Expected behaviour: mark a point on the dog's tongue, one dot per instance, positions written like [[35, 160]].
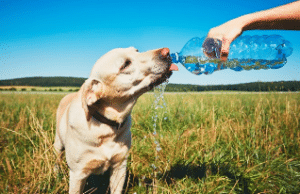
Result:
[[173, 67]]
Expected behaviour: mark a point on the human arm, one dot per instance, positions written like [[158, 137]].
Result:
[[285, 17]]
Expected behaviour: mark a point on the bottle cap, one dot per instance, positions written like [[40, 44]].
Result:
[[212, 48]]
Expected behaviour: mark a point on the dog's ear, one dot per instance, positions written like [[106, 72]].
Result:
[[92, 91]]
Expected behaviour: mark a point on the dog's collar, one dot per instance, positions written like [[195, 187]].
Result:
[[99, 117]]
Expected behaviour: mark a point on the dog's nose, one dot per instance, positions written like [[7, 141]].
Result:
[[165, 52]]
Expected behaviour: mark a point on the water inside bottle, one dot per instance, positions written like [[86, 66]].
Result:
[[202, 65]]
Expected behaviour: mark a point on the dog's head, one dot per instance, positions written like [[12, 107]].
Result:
[[120, 76]]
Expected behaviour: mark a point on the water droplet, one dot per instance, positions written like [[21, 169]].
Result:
[[153, 166], [158, 149]]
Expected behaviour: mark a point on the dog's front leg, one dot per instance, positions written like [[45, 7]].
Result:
[[77, 183], [117, 177]]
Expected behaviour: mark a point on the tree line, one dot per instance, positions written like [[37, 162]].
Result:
[[44, 81], [251, 87], [77, 82]]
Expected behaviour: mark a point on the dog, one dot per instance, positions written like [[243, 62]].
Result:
[[93, 124]]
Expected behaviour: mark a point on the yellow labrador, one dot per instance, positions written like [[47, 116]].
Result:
[[93, 124]]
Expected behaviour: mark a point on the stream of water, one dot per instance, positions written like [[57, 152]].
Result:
[[159, 103]]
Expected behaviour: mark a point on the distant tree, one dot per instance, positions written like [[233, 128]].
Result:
[[12, 89], [43, 81]]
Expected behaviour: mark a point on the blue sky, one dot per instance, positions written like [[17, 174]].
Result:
[[65, 38]]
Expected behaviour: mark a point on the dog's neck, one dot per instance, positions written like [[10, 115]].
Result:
[[112, 110], [99, 117]]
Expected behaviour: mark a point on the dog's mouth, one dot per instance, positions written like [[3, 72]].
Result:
[[167, 66], [163, 70], [159, 81]]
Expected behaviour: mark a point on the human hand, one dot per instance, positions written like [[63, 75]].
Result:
[[226, 33], [285, 17]]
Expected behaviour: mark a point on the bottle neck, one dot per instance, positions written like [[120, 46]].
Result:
[[175, 57]]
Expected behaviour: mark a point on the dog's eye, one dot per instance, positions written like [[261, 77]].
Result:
[[125, 65]]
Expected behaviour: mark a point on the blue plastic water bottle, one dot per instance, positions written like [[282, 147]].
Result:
[[201, 55]]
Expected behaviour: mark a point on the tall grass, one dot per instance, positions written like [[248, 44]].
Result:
[[211, 143]]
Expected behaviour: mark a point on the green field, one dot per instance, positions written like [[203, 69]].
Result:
[[211, 143]]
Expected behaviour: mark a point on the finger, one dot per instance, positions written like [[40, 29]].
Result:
[[224, 57], [225, 49]]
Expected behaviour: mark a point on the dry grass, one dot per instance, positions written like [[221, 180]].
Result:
[[225, 143]]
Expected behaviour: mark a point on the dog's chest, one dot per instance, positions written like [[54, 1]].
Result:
[[108, 154], [110, 146], [100, 145], [99, 135]]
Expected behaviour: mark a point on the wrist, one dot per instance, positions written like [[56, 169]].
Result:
[[245, 22]]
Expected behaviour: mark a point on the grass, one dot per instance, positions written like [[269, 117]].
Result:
[[224, 143]]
